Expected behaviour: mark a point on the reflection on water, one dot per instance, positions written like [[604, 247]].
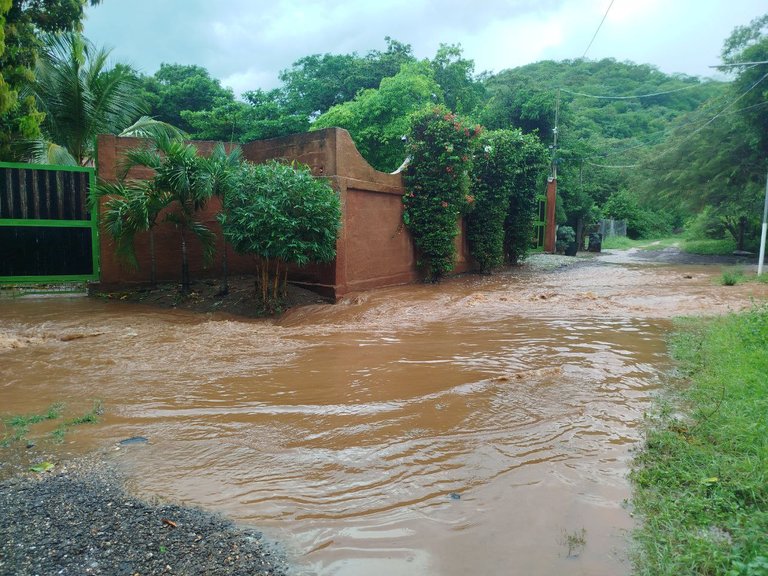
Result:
[[368, 439]]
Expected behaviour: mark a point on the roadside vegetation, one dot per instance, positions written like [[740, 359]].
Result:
[[701, 478], [18, 427], [634, 143]]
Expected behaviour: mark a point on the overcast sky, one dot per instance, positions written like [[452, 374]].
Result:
[[245, 43]]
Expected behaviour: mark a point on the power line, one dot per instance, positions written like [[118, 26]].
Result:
[[598, 29], [634, 97], [691, 135], [670, 131]]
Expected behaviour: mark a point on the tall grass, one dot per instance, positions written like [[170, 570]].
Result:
[[710, 247], [701, 479]]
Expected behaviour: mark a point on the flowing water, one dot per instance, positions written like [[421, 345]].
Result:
[[483, 426]]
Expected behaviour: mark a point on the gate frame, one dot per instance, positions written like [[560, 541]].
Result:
[[92, 223]]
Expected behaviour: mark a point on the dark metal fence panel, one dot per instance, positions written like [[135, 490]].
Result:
[[47, 231]]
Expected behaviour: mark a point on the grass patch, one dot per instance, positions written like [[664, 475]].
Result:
[[624, 243], [732, 277], [17, 427], [618, 243], [710, 247], [701, 479]]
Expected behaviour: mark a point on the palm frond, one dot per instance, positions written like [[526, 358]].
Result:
[[148, 127], [43, 151], [207, 239]]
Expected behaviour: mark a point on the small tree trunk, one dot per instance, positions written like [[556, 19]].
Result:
[[185, 284], [152, 259], [224, 271], [276, 281], [742, 232]]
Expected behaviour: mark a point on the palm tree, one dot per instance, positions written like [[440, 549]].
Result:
[[83, 97], [222, 168], [183, 184], [131, 207]]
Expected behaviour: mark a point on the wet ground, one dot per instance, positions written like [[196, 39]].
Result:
[[484, 425]]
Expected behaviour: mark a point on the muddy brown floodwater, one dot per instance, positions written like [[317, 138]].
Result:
[[470, 427]]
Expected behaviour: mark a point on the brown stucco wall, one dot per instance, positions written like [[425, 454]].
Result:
[[374, 249]]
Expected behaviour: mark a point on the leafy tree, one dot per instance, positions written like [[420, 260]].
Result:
[[316, 83], [263, 115], [530, 160], [22, 24], [455, 75], [178, 88], [595, 134], [712, 162], [437, 185], [750, 44], [708, 165], [281, 215], [81, 97], [378, 119]]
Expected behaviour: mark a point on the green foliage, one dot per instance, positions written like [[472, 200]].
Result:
[[750, 44], [595, 133], [81, 97], [732, 277], [377, 119], [454, 74], [710, 247], [314, 84], [177, 88], [565, 236], [263, 115], [437, 185], [17, 427], [700, 480], [641, 223], [505, 169], [281, 215], [22, 25]]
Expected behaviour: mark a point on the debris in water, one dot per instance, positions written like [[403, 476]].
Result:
[[134, 440]]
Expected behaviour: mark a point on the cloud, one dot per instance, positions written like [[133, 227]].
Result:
[[246, 43]]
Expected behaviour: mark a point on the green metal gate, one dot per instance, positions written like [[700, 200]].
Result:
[[48, 232]]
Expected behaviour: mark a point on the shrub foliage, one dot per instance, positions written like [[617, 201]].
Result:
[[506, 166], [281, 214], [437, 185]]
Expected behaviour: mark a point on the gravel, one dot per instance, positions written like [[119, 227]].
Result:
[[80, 520]]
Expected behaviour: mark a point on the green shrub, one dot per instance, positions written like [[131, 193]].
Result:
[[732, 277], [565, 236], [437, 185], [641, 222], [706, 225], [281, 214], [506, 164]]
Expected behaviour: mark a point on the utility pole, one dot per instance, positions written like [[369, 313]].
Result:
[[549, 229], [765, 228]]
